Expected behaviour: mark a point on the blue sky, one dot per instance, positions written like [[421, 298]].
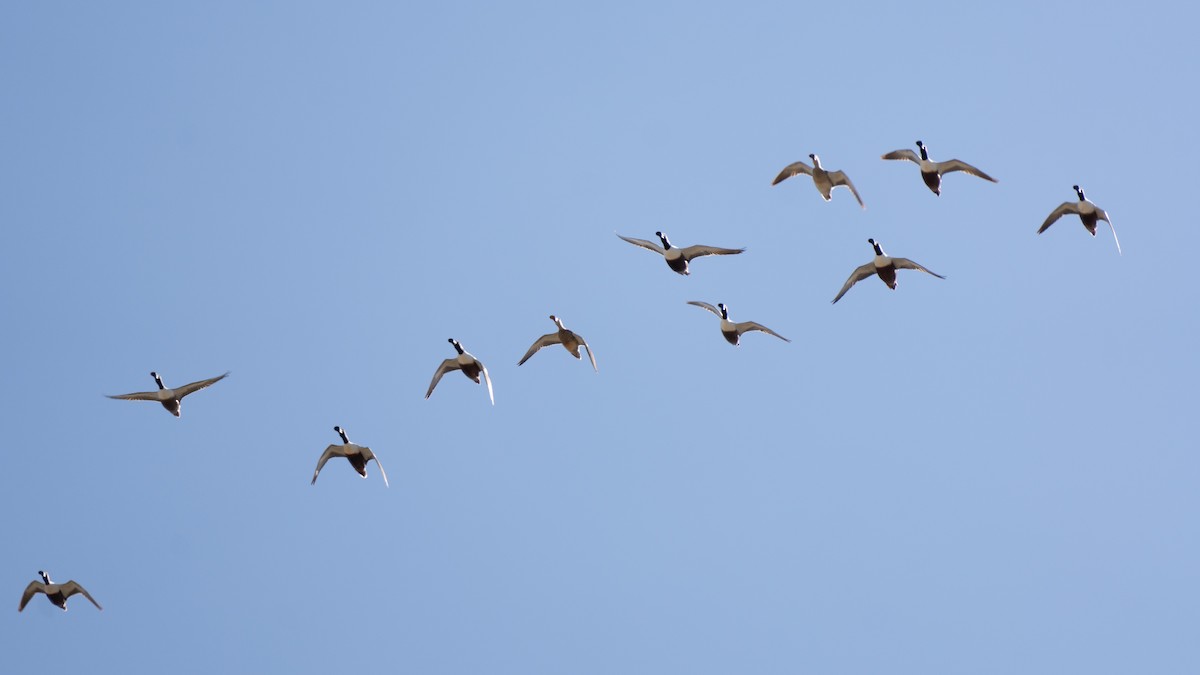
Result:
[[985, 474]]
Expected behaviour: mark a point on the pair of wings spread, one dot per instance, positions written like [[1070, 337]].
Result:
[[836, 178], [744, 326], [1073, 207], [943, 168], [556, 338], [688, 252], [864, 271], [346, 451], [179, 392], [68, 589], [453, 364]]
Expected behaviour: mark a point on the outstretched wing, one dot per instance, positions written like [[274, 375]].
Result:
[[136, 396], [840, 178], [951, 165], [649, 245], [1062, 210], [903, 154], [447, 366], [544, 341], [791, 170], [705, 305], [72, 587], [197, 386], [746, 326], [1104, 216], [906, 264], [486, 378], [331, 451], [368, 456], [697, 251], [31, 590], [860, 273], [591, 357]]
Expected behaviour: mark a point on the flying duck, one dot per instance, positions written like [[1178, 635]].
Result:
[[469, 365], [677, 258], [56, 593], [357, 455], [885, 267], [170, 398], [824, 180], [932, 172], [570, 340], [1088, 212], [733, 331]]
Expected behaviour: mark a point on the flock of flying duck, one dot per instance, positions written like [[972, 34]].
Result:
[[677, 259], [882, 265]]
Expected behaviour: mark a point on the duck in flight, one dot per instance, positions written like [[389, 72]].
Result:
[[824, 180], [570, 340], [169, 398], [885, 267], [468, 364], [733, 331], [1088, 212], [678, 258], [931, 171], [357, 455], [56, 593]]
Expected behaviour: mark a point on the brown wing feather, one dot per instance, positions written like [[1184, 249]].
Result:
[[31, 590]]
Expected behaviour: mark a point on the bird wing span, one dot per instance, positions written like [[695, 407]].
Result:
[[31, 590], [197, 386], [791, 170], [860, 273], [906, 264], [644, 244], [486, 378], [544, 341], [1104, 216], [840, 178], [72, 587], [591, 356], [705, 305], [368, 456], [447, 366], [903, 154], [1062, 210], [754, 325], [136, 396], [697, 251], [959, 165], [331, 451]]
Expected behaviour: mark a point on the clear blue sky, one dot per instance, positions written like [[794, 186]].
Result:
[[994, 473]]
